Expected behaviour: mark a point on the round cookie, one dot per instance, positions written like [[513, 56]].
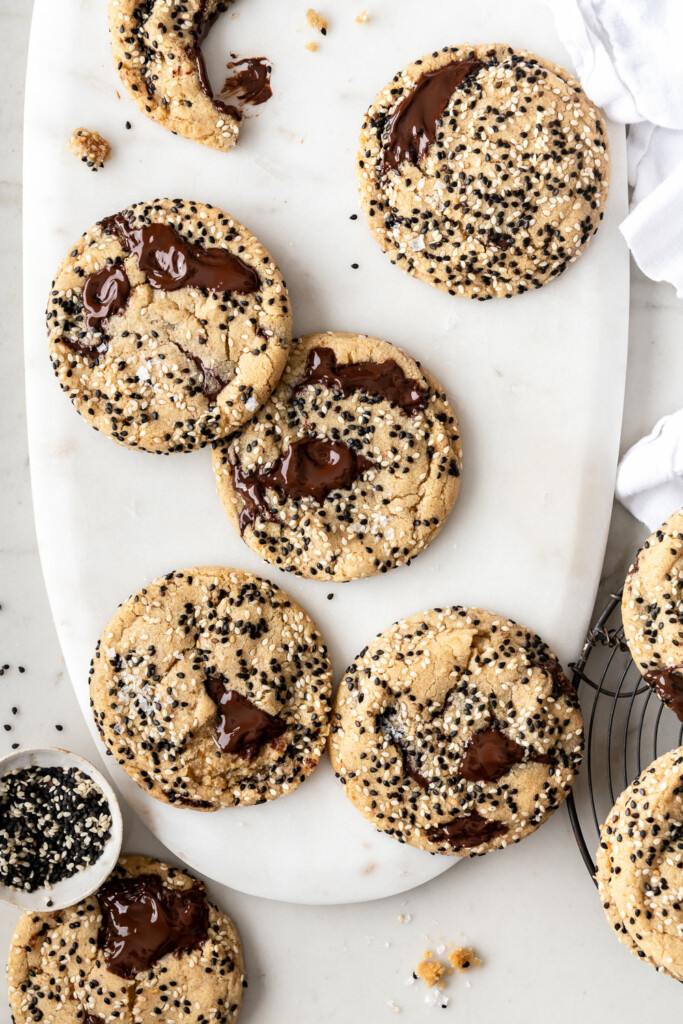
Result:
[[483, 170], [169, 324], [652, 612], [456, 731], [156, 47], [211, 688], [351, 467], [640, 865], [64, 967]]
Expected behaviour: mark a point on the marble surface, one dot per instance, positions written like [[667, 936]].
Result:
[[532, 911], [532, 498]]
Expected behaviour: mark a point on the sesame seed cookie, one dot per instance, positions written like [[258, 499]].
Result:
[[640, 865], [148, 946], [652, 612], [483, 170], [156, 45], [169, 325], [351, 467], [211, 688], [456, 731]]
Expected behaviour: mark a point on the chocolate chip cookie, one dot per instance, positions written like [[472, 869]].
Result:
[[147, 947], [652, 612], [156, 47], [211, 688], [351, 467], [169, 325], [483, 170], [640, 865], [456, 731]]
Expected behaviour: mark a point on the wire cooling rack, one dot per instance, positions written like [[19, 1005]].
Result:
[[627, 727]]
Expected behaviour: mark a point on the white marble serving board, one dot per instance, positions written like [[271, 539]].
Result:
[[537, 383]]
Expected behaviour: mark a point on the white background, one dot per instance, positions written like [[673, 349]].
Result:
[[535, 919]]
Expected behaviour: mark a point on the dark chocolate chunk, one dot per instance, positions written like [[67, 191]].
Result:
[[490, 754], [466, 831], [667, 684], [249, 81], [243, 727]]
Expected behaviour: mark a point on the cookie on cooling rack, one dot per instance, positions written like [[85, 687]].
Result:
[[148, 946], [640, 865], [456, 731], [350, 468], [211, 688], [156, 47], [169, 325], [652, 612], [483, 170]]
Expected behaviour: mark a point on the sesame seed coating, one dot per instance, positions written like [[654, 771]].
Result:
[[155, 46], [416, 703], [156, 714], [403, 490], [142, 376], [640, 865], [652, 611], [512, 187], [57, 974]]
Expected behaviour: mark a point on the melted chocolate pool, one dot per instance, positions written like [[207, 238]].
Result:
[[312, 467], [143, 920], [466, 831], [667, 684], [385, 379], [490, 754]]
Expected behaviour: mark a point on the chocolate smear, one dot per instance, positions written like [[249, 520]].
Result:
[[414, 123], [561, 685], [105, 294], [249, 81], [170, 262], [195, 53], [394, 734], [310, 468], [212, 384], [243, 727], [667, 684], [143, 920], [385, 379], [490, 754], [466, 831]]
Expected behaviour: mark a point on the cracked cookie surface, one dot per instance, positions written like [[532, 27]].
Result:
[[483, 170], [350, 468], [640, 865], [156, 45], [59, 968], [169, 325], [211, 688], [456, 731]]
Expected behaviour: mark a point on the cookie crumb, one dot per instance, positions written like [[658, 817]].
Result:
[[393, 1007], [404, 918], [362, 17], [462, 958], [317, 21], [92, 149], [312, 47], [431, 971]]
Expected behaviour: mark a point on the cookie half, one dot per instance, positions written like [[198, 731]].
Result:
[[351, 467], [640, 865], [456, 731], [169, 325], [149, 946], [483, 170], [652, 612], [156, 47], [211, 688]]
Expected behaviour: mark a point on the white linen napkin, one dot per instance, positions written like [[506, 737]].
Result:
[[627, 57]]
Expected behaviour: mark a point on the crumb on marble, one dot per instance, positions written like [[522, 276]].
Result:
[[312, 47], [431, 971], [362, 17], [316, 20], [90, 147], [462, 958]]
